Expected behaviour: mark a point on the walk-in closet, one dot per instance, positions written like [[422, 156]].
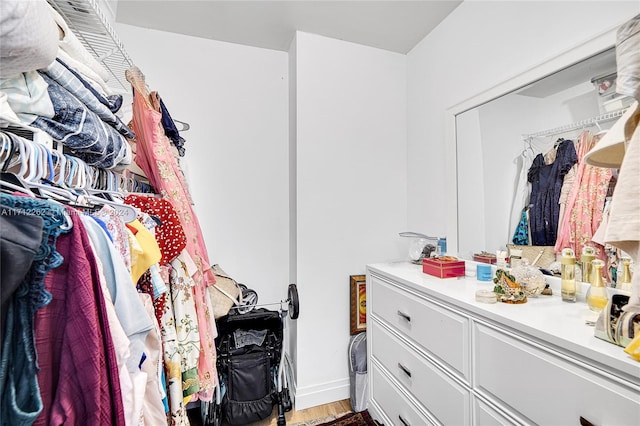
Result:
[[205, 206]]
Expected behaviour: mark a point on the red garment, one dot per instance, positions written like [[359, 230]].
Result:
[[78, 377], [169, 232], [145, 285]]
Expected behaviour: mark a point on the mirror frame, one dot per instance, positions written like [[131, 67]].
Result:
[[580, 52]]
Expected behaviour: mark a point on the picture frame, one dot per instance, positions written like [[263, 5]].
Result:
[[358, 285]]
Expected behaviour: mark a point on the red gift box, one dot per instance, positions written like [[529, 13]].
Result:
[[485, 258], [443, 267]]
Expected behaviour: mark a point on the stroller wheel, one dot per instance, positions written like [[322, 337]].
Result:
[[286, 400], [294, 304]]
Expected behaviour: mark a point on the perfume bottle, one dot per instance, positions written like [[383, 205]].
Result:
[[568, 275], [597, 297], [624, 283], [588, 256]]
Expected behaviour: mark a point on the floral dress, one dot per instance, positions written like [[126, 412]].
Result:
[[585, 204], [154, 156], [171, 241]]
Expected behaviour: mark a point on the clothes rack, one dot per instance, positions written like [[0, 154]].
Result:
[[97, 179], [88, 22], [90, 25], [576, 125]]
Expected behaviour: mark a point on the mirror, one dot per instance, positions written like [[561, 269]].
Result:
[[491, 139]]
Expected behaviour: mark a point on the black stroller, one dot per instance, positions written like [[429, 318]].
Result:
[[253, 369]]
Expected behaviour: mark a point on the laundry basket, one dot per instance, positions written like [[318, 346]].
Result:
[[358, 372]]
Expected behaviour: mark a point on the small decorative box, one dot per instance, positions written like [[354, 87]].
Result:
[[443, 267], [485, 257]]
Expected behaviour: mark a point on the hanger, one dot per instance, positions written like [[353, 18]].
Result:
[[185, 126], [558, 142], [528, 147], [83, 187], [601, 131]]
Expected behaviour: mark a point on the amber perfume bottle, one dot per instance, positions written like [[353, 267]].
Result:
[[597, 297]]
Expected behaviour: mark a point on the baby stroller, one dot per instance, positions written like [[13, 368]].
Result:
[[253, 369]]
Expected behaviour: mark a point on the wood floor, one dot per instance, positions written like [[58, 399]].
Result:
[[335, 408], [300, 417]]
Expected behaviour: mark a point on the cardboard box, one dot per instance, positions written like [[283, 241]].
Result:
[[443, 267]]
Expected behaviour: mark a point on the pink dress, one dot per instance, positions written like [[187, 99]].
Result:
[[155, 158], [583, 211]]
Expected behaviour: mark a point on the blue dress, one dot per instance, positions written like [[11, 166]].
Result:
[[546, 184]]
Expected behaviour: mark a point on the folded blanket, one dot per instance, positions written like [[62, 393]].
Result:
[[113, 102], [28, 96], [65, 78]]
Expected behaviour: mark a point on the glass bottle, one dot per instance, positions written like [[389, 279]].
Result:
[[588, 256], [515, 259], [624, 283], [568, 275], [597, 297]]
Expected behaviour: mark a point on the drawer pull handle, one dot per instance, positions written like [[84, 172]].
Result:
[[403, 421], [404, 369], [405, 316], [585, 422]]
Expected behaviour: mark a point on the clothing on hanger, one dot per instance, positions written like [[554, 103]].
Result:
[[546, 182]]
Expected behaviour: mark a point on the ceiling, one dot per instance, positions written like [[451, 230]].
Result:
[[596, 66], [391, 25]]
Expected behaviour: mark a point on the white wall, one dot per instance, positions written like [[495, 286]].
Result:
[[351, 194], [236, 100], [337, 188], [369, 152], [479, 45]]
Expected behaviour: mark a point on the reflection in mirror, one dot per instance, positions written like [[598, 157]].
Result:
[[498, 141]]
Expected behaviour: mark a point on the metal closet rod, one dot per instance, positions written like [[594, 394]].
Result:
[[578, 124]]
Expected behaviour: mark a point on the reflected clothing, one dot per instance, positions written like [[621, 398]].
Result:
[[585, 203], [20, 399], [546, 185], [79, 378], [521, 236]]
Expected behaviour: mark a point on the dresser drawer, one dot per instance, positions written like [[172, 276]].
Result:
[[398, 410], [442, 333], [546, 389], [442, 397], [486, 415]]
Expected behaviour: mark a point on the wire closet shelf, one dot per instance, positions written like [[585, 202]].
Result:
[[577, 125], [87, 21]]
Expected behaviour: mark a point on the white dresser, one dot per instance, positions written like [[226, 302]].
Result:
[[436, 356]]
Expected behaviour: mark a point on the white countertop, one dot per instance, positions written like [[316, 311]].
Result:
[[553, 323]]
